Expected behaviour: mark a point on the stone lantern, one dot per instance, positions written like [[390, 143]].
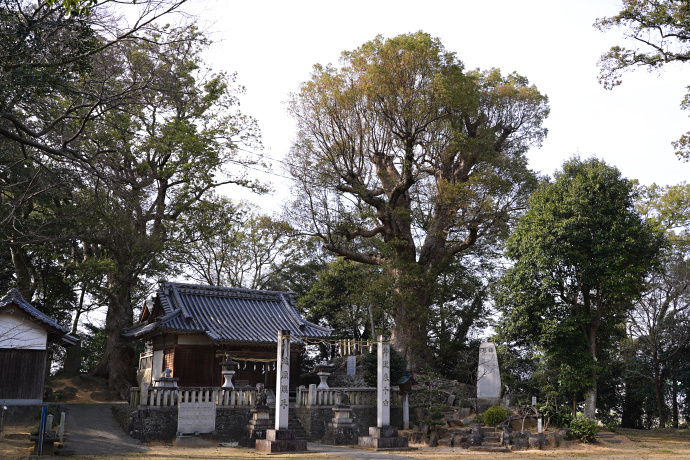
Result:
[[323, 369], [229, 367]]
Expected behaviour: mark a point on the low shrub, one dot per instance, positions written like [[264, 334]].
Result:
[[495, 415], [610, 421], [584, 429]]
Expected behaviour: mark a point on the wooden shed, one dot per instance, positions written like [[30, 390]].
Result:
[[188, 328], [25, 333]]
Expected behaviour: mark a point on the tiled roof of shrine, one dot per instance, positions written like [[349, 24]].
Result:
[[225, 315]]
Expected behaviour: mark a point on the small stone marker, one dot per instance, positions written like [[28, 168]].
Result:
[[351, 365], [196, 417], [61, 428], [488, 374], [534, 400]]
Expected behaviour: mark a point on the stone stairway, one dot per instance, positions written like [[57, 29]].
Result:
[[293, 424], [490, 441]]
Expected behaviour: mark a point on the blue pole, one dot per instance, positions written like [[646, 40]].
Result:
[[42, 429]]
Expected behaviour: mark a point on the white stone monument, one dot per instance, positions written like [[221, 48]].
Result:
[[281, 439], [383, 435], [383, 383], [488, 374], [283, 381]]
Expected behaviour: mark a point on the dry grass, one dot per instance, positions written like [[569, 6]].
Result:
[[654, 444]]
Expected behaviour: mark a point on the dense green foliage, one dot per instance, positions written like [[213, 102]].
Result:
[[369, 363], [495, 415], [584, 429], [581, 253]]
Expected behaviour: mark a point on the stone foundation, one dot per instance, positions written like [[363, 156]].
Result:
[[280, 441], [160, 424], [385, 437]]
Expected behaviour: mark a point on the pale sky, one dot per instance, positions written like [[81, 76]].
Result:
[[272, 45]]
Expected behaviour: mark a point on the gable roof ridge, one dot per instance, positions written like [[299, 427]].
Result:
[[301, 321], [15, 297]]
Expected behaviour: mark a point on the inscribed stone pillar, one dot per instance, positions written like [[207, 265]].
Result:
[[488, 373], [383, 388], [283, 380]]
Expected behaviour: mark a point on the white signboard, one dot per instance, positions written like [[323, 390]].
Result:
[[196, 418], [351, 365]]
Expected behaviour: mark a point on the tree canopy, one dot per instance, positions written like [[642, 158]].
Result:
[[581, 254], [405, 160], [660, 33]]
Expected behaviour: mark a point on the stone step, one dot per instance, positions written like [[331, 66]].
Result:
[[488, 449], [605, 434], [491, 443]]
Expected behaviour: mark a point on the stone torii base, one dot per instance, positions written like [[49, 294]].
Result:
[[280, 441], [384, 437]]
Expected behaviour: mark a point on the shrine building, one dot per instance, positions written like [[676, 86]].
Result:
[[190, 328]]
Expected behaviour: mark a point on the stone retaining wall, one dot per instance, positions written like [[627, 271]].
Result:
[[315, 420], [160, 424]]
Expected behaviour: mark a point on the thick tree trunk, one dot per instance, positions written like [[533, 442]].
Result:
[[410, 332], [590, 410], [117, 362]]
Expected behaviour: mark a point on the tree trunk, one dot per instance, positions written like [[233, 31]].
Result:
[[659, 394], [410, 332], [21, 271], [117, 362], [575, 405], [590, 410], [674, 392]]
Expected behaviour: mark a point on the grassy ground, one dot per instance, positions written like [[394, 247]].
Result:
[[652, 444]]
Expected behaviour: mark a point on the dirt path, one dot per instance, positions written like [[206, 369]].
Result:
[[92, 430]]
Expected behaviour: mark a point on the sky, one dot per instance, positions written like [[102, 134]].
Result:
[[272, 45]]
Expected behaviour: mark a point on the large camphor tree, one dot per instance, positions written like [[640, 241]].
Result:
[[404, 160], [581, 255]]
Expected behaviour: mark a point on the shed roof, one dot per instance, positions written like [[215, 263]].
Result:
[[225, 315], [57, 333]]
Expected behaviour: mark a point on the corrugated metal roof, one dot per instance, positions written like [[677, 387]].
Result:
[[227, 314], [13, 296]]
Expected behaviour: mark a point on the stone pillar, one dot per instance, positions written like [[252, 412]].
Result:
[[281, 439], [406, 411], [383, 383], [383, 436], [283, 380]]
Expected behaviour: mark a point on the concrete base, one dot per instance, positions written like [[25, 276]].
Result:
[[280, 441], [385, 437], [340, 435], [257, 428], [193, 441]]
